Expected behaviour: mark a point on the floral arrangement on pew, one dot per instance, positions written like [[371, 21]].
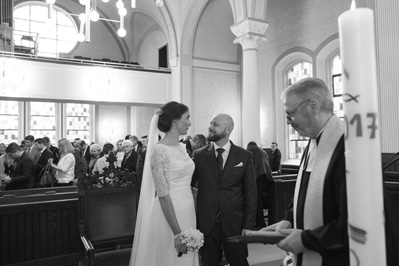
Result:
[[192, 239]]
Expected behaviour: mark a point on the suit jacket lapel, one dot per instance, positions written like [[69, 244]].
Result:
[[231, 160]]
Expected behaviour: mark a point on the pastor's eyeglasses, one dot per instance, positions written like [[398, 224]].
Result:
[[292, 114]]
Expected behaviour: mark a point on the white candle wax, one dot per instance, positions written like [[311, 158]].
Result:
[[362, 138]]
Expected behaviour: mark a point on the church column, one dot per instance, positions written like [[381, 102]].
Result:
[[249, 34]]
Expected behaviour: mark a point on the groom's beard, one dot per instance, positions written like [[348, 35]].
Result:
[[215, 137]]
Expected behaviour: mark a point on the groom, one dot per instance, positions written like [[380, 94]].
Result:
[[226, 201]]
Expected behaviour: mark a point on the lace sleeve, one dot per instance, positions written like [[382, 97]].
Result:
[[159, 169]]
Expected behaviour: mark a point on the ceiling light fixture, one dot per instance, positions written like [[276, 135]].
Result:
[[91, 14], [159, 3]]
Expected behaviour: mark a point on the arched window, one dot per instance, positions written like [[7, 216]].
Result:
[[297, 143], [336, 75], [46, 35]]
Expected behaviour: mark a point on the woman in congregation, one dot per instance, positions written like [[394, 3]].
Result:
[[65, 169], [102, 163], [95, 154], [119, 153], [167, 172]]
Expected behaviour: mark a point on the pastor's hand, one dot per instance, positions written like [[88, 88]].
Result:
[[283, 224]]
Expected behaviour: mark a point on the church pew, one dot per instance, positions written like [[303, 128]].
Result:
[[280, 197], [39, 227], [391, 201], [108, 209]]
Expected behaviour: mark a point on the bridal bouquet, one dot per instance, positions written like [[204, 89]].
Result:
[[192, 239]]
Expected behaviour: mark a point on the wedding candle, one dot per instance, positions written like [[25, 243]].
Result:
[[366, 227]]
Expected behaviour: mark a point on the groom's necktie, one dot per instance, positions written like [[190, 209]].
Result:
[[219, 159]]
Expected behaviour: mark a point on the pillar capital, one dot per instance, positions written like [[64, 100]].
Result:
[[249, 33], [249, 41]]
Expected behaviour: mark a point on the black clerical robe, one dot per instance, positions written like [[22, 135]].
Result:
[[320, 208]]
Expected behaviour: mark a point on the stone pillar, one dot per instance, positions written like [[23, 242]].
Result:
[[249, 34]]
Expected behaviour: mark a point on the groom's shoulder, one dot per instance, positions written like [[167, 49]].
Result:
[[240, 150], [204, 149]]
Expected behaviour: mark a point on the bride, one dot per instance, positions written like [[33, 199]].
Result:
[[166, 206]]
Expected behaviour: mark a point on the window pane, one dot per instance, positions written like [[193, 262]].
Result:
[[47, 45], [38, 12], [35, 20], [78, 121], [65, 47], [65, 33], [22, 13], [62, 19], [42, 119], [337, 65], [36, 28], [336, 70], [299, 71], [297, 143], [9, 121]]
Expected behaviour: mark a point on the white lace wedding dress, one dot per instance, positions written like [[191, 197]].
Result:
[[172, 170]]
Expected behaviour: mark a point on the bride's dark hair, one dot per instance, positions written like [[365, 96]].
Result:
[[169, 112]]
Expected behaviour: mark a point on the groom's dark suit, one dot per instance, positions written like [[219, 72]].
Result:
[[228, 199]]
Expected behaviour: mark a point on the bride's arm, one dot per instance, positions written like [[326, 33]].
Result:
[[160, 168], [169, 212]]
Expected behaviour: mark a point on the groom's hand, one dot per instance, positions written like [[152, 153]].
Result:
[[245, 232]]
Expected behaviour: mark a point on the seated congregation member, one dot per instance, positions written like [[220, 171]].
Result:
[[275, 158], [24, 173], [119, 153], [52, 148], [102, 162], [45, 155], [22, 145], [30, 148], [129, 161], [6, 164], [263, 175], [3, 158], [3, 147], [84, 149], [134, 139], [198, 141], [80, 165], [139, 148], [95, 151], [65, 169], [317, 227]]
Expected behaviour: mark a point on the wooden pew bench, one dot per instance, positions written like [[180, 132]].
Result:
[[391, 203], [39, 226], [108, 209], [280, 197]]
